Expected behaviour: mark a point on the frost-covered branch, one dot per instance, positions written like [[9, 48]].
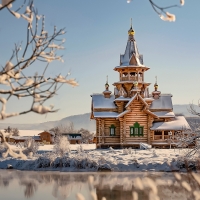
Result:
[[192, 109], [188, 139], [162, 11], [40, 48]]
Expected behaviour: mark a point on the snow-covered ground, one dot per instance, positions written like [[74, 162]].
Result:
[[92, 159]]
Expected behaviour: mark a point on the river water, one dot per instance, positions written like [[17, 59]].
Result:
[[21, 185]]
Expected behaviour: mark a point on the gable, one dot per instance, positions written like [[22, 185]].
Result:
[[133, 60]]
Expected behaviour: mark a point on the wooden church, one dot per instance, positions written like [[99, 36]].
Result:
[[132, 115]]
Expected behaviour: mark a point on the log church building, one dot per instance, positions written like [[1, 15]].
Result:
[[132, 114]]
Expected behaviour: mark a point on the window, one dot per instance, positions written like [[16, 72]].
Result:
[[136, 130], [112, 130]]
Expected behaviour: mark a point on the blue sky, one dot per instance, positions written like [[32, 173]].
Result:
[[97, 34]]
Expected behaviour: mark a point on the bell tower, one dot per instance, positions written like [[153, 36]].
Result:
[[131, 70]]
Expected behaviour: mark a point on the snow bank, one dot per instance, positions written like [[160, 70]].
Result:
[[91, 159]]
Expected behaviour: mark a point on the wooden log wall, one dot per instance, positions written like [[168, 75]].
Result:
[[120, 106], [136, 115], [149, 125], [107, 123]]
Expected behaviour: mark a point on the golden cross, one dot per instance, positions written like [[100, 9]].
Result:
[[156, 78]]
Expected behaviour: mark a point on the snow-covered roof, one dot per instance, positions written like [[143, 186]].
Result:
[[163, 103], [50, 132], [99, 101], [148, 99], [123, 113], [178, 123], [131, 50], [121, 98], [106, 114], [164, 114], [74, 138], [25, 137]]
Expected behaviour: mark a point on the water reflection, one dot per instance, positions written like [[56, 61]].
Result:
[[112, 186]]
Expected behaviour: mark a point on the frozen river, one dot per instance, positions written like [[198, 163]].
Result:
[[20, 185]]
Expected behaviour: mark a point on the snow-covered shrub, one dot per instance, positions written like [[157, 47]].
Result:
[[31, 147], [111, 150], [130, 150], [154, 153], [46, 160], [66, 161], [83, 161], [43, 162], [2, 149], [86, 136], [61, 145], [101, 160], [127, 151], [80, 149]]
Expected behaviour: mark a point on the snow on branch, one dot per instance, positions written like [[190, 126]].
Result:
[[161, 11], [41, 47], [163, 14]]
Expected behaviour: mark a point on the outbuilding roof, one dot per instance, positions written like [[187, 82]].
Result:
[[24, 137], [178, 123]]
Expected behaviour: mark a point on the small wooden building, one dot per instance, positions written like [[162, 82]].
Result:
[[47, 137], [74, 138], [44, 137], [17, 139], [132, 115]]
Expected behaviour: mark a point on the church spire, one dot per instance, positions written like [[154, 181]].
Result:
[[131, 32], [131, 55]]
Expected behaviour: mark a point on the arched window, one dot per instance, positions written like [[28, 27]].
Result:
[[133, 74], [136, 130], [125, 74]]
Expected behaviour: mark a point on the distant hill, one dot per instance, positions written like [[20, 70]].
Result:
[[183, 109], [79, 121], [83, 120]]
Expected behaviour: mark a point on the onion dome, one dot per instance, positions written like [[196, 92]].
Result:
[[131, 31], [156, 93], [107, 86], [107, 92]]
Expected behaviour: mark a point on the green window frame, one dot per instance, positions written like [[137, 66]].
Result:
[[136, 130], [112, 130]]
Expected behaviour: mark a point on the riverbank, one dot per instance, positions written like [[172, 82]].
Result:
[[91, 160]]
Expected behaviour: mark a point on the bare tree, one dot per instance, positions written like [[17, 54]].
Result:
[[8, 130], [61, 145], [67, 128], [40, 47], [86, 135], [31, 146], [192, 109], [15, 132]]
